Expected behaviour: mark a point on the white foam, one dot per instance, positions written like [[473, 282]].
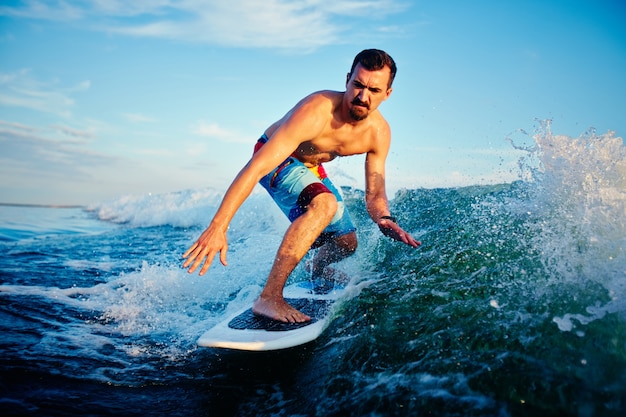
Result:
[[183, 209], [581, 203]]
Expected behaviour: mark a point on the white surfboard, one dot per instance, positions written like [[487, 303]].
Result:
[[244, 330]]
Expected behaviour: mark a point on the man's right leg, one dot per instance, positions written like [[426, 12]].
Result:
[[297, 241]]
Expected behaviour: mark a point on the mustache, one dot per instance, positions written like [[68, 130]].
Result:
[[358, 102]]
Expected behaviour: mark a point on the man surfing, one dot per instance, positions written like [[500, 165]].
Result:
[[288, 162]]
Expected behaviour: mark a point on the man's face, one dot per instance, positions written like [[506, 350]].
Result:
[[365, 90]]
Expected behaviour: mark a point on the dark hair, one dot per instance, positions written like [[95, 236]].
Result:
[[374, 60]]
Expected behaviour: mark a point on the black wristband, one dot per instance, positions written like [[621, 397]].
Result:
[[393, 219]]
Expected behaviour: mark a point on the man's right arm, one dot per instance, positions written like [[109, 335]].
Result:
[[213, 240], [296, 127]]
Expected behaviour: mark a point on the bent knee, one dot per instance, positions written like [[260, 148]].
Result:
[[324, 204], [348, 243]]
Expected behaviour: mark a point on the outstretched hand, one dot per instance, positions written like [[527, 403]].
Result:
[[391, 229], [204, 250]]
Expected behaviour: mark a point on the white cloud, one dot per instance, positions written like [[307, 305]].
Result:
[[79, 135], [20, 89], [241, 23], [81, 86], [361, 7], [18, 127], [215, 131], [50, 10], [36, 151], [285, 24], [139, 118]]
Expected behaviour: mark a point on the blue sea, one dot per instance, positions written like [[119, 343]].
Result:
[[515, 305]]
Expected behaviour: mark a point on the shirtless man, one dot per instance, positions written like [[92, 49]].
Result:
[[287, 162]]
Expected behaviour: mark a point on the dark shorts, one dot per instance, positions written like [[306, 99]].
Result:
[[292, 185]]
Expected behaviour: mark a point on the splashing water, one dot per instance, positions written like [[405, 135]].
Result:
[[580, 210], [514, 305]]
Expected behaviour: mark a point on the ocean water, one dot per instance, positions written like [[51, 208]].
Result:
[[514, 305]]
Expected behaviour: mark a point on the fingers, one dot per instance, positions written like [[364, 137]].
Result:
[[197, 261], [223, 253], [190, 254], [412, 242], [196, 255], [395, 232], [409, 240], [207, 263], [189, 251]]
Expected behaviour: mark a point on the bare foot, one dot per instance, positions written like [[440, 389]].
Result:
[[278, 309]]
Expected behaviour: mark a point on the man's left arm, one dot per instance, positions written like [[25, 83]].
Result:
[[376, 199]]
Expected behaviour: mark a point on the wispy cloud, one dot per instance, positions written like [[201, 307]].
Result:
[[36, 9], [284, 24], [58, 151], [139, 118], [80, 135], [215, 131], [20, 89]]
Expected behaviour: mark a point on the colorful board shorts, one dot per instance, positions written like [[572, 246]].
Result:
[[292, 185]]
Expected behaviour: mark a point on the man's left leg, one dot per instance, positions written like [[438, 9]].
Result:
[[333, 251], [324, 277]]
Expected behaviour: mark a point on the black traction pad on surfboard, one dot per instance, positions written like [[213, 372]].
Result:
[[312, 308]]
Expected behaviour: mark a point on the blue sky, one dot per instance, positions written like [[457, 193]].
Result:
[[100, 99]]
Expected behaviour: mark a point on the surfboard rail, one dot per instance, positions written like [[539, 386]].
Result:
[[265, 334]]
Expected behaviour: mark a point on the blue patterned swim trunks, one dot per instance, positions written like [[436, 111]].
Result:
[[292, 185]]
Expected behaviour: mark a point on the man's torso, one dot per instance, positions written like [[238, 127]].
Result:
[[337, 138]]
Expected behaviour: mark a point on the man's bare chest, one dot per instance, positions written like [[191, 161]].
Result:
[[326, 149]]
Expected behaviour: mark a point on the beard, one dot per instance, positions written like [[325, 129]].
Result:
[[359, 111]]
